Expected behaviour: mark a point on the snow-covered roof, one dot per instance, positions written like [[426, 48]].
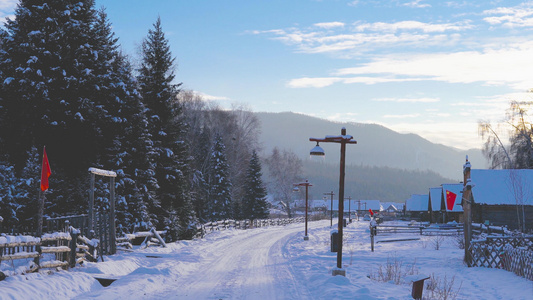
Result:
[[435, 196], [452, 195], [417, 203], [496, 187], [392, 206]]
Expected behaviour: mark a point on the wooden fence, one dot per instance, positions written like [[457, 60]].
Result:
[[514, 254], [244, 224], [421, 229]]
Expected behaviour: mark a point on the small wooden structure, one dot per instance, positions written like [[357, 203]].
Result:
[[107, 234]]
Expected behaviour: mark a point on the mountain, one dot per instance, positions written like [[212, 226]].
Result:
[[377, 146]]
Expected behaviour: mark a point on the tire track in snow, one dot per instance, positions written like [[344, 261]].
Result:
[[254, 267]]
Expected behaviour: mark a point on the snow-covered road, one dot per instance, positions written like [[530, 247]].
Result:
[[249, 265]]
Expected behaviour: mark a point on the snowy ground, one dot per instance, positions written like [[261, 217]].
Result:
[[272, 263]]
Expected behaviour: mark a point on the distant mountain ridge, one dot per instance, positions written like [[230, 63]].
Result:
[[376, 145]]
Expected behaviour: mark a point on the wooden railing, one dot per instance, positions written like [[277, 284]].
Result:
[[513, 254]]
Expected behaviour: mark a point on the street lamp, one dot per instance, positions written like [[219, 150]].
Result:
[[307, 185], [342, 139], [331, 208]]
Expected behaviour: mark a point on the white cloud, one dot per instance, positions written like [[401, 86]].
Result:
[[453, 133], [211, 97], [518, 16], [410, 100], [8, 5], [343, 117], [414, 26], [327, 81], [334, 37], [405, 116], [416, 4], [509, 65], [329, 25], [7, 9]]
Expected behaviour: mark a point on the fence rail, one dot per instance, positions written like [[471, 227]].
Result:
[[514, 254]]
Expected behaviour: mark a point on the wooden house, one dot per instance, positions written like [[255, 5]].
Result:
[[435, 209], [417, 207], [503, 197]]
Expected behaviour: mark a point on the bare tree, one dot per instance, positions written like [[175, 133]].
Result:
[[284, 169], [519, 154]]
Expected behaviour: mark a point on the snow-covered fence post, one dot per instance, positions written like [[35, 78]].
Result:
[[73, 246]]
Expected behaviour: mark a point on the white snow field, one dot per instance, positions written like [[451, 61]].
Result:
[[273, 263]]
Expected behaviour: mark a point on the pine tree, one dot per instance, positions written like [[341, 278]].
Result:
[[49, 92], [8, 187], [126, 140], [28, 189], [255, 205], [200, 187], [167, 130], [219, 201]]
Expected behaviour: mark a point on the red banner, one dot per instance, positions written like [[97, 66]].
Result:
[[450, 200], [46, 172]]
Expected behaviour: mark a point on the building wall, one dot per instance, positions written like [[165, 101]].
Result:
[[502, 215]]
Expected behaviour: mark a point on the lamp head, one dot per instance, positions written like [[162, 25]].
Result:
[[317, 151]]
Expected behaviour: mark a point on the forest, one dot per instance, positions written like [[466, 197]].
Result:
[[66, 85]]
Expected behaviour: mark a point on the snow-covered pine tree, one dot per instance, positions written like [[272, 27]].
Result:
[[126, 140], [48, 90], [163, 112], [8, 195], [200, 186], [28, 189], [219, 201], [255, 205]]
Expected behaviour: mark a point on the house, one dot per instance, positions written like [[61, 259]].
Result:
[[417, 207], [392, 209], [436, 214], [503, 197]]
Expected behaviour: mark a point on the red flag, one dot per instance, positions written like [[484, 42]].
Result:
[[46, 172], [450, 200], [371, 212]]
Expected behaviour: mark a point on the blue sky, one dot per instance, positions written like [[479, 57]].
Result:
[[434, 68]]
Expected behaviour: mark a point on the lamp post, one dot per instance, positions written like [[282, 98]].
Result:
[[307, 185], [331, 208], [342, 139]]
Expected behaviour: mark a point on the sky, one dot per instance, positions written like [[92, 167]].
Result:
[[434, 68]]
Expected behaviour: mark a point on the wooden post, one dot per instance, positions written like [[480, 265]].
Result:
[[112, 229], [91, 205], [467, 211], [73, 247], [341, 198], [40, 214], [306, 205]]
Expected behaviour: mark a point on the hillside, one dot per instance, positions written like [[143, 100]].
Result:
[[377, 146]]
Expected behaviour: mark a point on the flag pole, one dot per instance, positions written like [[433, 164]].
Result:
[[40, 214]]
